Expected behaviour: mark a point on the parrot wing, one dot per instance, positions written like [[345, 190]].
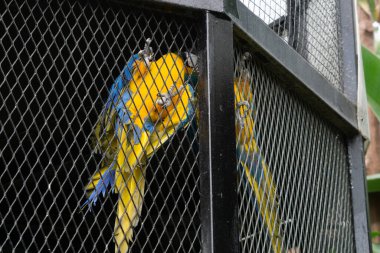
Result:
[[104, 128], [105, 139], [136, 67]]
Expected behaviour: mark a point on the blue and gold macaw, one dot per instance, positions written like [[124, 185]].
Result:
[[252, 166], [147, 108]]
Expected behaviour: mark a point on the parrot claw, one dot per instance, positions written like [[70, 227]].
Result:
[[240, 117], [165, 99], [246, 56], [147, 53]]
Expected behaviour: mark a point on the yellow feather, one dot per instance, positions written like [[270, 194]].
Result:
[[166, 128], [129, 206], [178, 114], [166, 72], [129, 183]]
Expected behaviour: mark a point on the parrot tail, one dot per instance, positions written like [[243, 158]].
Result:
[[264, 192], [98, 184], [131, 196]]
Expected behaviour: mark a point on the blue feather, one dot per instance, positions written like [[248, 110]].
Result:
[[253, 162], [106, 180], [124, 115], [148, 125], [256, 170], [121, 81]]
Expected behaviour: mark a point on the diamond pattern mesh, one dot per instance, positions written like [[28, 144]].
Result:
[[293, 186], [59, 61], [310, 27]]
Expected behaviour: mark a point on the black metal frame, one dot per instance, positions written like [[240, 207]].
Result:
[[359, 194], [217, 139], [355, 142], [217, 117], [350, 77]]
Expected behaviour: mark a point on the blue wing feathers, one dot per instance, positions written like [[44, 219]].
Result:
[[253, 161], [106, 180], [121, 81]]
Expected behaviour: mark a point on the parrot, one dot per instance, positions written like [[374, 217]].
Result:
[[149, 103], [252, 166]]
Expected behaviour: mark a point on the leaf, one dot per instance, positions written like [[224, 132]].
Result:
[[372, 79], [375, 234], [373, 183], [372, 7], [365, 6]]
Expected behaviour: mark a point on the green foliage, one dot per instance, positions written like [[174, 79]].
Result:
[[373, 183], [372, 8], [372, 79], [375, 234], [369, 7]]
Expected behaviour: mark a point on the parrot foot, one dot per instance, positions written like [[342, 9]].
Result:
[[147, 53], [165, 99], [246, 107]]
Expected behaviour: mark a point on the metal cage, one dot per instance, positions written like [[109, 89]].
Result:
[[249, 143]]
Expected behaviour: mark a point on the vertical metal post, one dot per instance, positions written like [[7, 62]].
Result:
[[355, 144], [349, 54], [359, 195], [217, 138]]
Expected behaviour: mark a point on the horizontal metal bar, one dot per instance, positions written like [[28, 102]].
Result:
[[221, 6], [294, 72], [212, 5]]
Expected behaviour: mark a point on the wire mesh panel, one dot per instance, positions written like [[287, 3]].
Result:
[[293, 185], [99, 97], [310, 27]]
